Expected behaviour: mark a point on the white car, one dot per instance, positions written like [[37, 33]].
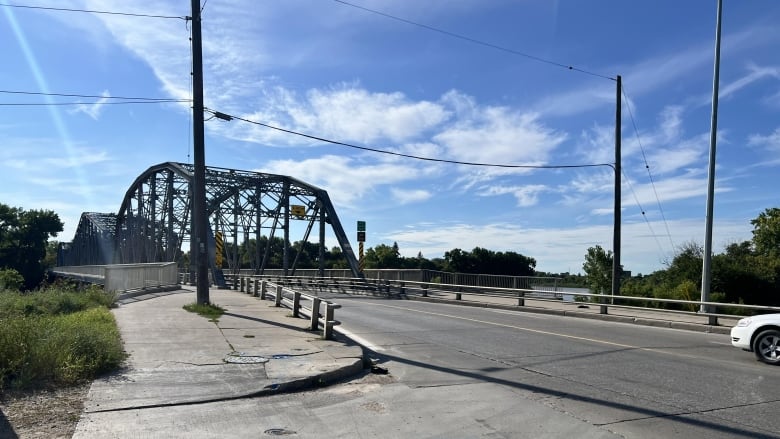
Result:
[[760, 335]]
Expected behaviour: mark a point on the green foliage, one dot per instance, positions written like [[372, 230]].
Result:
[[210, 311], [766, 232], [55, 337], [23, 241], [485, 261], [598, 269], [383, 256], [55, 300], [10, 279]]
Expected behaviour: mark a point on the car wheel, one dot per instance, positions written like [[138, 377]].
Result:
[[767, 346]]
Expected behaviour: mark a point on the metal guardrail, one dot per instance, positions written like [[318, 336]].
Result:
[[389, 287], [295, 300]]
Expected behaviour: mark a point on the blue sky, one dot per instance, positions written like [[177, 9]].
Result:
[[332, 70]]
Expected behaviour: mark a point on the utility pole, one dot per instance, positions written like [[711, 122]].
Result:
[[706, 270], [199, 214], [616, 270]]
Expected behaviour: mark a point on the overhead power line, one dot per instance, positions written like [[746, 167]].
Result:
[[56, 104], [128, 14], [74, 95], [225, 116], [476, 41], [647, 167]]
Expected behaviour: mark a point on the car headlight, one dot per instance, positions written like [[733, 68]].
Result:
[[744, 322]]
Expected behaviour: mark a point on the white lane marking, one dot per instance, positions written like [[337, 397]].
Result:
[[517, 313], [358, 339], [539, 331]]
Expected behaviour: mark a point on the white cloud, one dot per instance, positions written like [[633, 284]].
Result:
[[563, 249], [345, 180], [406, 196], [356, 114], [499, 135], [525, 195], [93, 110], [770, 142]]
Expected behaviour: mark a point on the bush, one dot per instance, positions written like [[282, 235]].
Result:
[[57, 337], [10, 279]]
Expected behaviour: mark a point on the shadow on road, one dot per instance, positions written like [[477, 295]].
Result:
[[683, 417]]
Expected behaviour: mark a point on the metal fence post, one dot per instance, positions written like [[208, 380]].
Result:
[[296, 302], [315, 313], [278, 298], [520, 298], [425, 290], [263, 288]]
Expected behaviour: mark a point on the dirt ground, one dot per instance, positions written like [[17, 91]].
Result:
[[41, 413]]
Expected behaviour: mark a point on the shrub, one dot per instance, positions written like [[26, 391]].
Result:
[[57, 337], [10, 279]]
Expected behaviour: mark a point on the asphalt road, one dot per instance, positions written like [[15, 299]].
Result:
[[627, 380]]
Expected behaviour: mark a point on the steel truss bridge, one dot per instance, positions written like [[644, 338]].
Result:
[[154, 222]]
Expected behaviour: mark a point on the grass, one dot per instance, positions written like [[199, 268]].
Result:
[[57, 336], [209, 310]]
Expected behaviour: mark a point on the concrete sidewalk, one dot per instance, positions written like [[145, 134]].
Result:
[[177, 357]]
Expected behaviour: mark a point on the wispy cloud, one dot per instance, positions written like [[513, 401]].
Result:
[[769, 142], [408, 196], [93, 110]]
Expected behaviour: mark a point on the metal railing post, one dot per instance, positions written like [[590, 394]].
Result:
[[263, 289], [315, 313], [520, 298], [296, 303], [425, 290], [278, 298]]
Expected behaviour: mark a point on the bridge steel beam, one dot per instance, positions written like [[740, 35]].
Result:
[[155, 219]]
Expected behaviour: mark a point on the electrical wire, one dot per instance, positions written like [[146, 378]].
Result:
[[476, 41], [647, 166], [224, 116], [73, 95], [636, 199], [57, 104], [128, 14]]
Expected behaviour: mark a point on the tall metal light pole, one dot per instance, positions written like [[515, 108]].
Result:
[[706, 270], [199, 214]]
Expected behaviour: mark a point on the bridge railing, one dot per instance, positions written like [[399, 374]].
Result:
[[123, 277], [473, 294], [320, 312]]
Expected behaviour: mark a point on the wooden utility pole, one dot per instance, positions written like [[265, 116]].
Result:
[[616, 270], [199, 215]]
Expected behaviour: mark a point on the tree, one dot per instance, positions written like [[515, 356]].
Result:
[[23, 241], [598, 269], [383, 256], [766, 232]]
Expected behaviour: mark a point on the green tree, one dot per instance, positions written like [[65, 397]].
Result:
[[23, 241], [766, 232], [383, 256], [598, 269]]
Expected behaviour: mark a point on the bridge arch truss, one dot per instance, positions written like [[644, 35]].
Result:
[[154, 222]]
